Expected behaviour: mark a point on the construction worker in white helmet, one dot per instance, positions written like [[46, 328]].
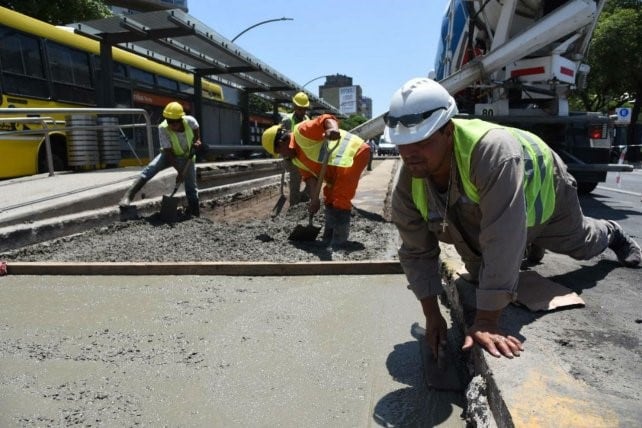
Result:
[[301, 103], [489, 190], [179, 137]]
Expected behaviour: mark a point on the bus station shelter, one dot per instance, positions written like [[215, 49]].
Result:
[[177, 39]]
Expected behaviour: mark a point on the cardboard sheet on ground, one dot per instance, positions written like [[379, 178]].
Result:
[[538, 293], [541, 294]]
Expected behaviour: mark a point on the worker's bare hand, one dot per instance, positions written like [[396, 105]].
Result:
[[314, 205], [486, 333]]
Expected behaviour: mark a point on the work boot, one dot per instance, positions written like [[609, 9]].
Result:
[[131, 192], [330, 220], [194, 209], [341, 230], [625, 248]]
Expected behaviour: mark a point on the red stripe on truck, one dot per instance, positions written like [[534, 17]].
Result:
[[526, 71]]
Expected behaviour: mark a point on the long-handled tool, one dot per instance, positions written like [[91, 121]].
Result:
[[169, 204], [310, 232], [279, 204]]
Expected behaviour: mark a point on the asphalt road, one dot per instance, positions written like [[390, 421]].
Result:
[[581, 367]]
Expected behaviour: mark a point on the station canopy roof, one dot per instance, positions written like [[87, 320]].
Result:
[[177, 39]]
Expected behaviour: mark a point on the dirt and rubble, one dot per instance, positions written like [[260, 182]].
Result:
[[238, 228]]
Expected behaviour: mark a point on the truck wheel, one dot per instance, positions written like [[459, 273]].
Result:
[[585, 187]]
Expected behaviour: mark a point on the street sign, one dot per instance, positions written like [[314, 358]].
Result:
[[623, 115]]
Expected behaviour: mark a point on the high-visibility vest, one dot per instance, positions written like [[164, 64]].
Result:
[[173, 138], [342, 155], [290, 121], [539, 189]]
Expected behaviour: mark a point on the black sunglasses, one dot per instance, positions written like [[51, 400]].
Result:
[[409, 120]]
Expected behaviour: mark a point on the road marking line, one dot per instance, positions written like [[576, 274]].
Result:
[[626, 192]]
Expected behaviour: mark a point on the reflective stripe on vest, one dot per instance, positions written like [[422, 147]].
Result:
[[539, 189], [173, 138], [342, 156]]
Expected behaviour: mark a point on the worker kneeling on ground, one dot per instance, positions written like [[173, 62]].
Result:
[[348, 158], [179, 139], [489, 190]]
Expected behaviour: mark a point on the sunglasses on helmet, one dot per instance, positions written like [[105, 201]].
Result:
[[409, 120]]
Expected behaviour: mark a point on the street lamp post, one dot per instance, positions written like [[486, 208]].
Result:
[[260, 23], [316, 78]]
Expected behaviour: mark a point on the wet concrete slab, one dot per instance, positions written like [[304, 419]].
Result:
[[214, 351]]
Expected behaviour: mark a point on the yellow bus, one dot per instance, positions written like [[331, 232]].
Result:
[[44, 66]]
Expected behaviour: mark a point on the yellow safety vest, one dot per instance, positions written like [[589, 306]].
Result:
[[342, 155], [173, 138], [539, 189]]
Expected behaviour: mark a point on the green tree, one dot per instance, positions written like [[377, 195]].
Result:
[[352, 121], [59, 12], [615, 57]]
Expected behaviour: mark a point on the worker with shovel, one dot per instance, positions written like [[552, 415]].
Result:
[[323, 152], [178, 135], [301, 104]]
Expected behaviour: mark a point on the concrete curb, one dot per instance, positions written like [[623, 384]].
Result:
[[461, 300]]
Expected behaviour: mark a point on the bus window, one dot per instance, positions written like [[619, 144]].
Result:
[[186, 89], [22, 66], [141, 76], [120, 70], [165, 83], [70, 74]]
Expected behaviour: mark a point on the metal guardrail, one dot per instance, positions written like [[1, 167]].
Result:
[[32, 115]]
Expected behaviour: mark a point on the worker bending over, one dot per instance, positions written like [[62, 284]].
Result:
[[348, 158], [179, 136], [489, 190]]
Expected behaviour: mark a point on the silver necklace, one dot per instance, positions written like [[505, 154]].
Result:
[[444, 221]]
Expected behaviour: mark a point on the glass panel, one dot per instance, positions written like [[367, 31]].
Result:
[[69, 65]]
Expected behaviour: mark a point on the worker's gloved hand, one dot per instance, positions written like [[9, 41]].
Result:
[[436, 335], [485, 331], [436, 328], [332, 134]]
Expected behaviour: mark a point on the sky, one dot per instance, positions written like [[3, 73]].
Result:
[[379, 43]]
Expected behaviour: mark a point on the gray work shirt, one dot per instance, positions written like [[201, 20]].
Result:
[[490, 236], [163, 137]]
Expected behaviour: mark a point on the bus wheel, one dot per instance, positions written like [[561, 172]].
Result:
[[58, 163]]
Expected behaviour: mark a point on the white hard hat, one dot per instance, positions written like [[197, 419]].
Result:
[[418, 109]]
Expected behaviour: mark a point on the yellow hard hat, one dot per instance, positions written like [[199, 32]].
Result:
[[301, 100], [173, 110], [268, 138]]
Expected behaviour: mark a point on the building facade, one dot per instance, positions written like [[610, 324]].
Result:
[[340, 91]]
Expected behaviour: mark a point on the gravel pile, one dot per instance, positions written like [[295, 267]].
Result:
[[149, 239]]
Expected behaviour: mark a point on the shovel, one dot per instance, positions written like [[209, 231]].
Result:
[[279, 204], [169, 204], [310, 231]]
